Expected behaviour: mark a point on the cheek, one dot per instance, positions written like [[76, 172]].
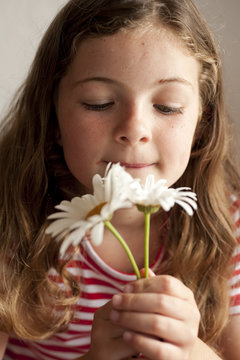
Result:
[[78, 136], [83, 145], [73, 141], [177, 146], [76, 155]]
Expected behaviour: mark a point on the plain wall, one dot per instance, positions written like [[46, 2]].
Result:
[[223, 16], [22, 23]]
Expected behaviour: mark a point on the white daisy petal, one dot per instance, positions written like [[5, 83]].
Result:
[[68, 206], [116, 190], [67, 242], [165, 204], [97, 233], [78, 224], [185, 206], [58, 226], [76, 236], [65, 245], [81, 214], [190, 202], [62, 235], [149, 183], [153, 194]]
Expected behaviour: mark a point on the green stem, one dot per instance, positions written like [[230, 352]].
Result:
[[147, 215], [125, 246]]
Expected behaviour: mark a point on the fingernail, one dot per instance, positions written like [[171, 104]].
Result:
[[116, 300], [151, 273], [127, 335], [128, 288], [114, 315]]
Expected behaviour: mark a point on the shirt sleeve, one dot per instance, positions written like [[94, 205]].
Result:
[[234, 282]]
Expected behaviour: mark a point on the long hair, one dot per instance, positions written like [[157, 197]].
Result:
[[34, 176]]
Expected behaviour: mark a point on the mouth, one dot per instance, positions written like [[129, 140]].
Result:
[[133, 165]]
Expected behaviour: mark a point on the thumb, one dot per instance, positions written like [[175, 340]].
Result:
[[150, 273]]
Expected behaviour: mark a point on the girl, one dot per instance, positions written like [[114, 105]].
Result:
[[136, 82]]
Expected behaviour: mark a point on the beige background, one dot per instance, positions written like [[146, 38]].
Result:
[[22, 23], [224, 19]]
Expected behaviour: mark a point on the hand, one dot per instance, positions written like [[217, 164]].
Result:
[[161, 317], [107, 341]]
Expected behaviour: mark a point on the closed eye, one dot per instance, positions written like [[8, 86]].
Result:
[[98, 107], [168, 110]]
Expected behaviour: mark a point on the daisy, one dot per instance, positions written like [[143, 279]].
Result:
[[89, 212], [153, 195]]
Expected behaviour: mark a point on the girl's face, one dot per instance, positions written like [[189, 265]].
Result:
[[132, 98]]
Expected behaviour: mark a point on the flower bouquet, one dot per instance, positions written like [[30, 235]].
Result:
[[90, 213]]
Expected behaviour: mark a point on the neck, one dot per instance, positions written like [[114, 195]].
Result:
[[128, 221], [130, 224]]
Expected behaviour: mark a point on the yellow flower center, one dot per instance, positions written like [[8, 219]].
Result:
[[96, 210]]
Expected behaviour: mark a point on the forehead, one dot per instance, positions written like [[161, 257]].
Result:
[[150, 51]]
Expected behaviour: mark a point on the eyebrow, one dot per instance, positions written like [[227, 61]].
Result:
[[176, 80], [96, 78], [112, 81]]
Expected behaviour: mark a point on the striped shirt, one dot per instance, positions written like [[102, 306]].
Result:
[[98, 282], [235, 280]]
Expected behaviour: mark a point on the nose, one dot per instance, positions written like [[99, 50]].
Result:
[[133, 128]]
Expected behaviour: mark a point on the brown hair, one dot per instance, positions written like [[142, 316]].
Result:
[[34, 175]]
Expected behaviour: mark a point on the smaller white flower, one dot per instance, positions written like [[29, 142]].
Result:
[[88, 213], [183, 197], [156, 194]]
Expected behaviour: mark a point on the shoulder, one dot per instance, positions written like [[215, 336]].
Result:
[[234, 282], [235, 212], [235, 209], [230, 339]]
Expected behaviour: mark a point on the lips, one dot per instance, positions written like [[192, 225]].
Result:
[[135, 165], [132, 165]]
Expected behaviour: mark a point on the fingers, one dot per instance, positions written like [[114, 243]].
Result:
[[107, 337], [152, 348], [150, 273], [103, 311], [151, 303], [160, 315], [101, 321], [116, 349], [171, 330], [165, 284], [163, 295]]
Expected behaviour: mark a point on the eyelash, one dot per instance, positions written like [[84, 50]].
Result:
[[163, 109], [98, 107], [168, 110]]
